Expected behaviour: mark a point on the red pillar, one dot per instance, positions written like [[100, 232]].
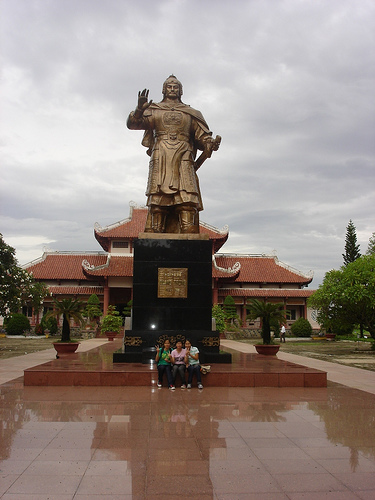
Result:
[[215, 294], [106, 297], [244, 312], [285, 311]]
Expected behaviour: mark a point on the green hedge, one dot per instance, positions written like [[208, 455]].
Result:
[[17, 324], [301, 328]]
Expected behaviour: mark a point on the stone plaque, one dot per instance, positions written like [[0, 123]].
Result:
[[172, 282]]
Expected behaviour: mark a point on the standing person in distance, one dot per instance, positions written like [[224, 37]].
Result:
[[282, 334], [164, 360], [192, 363]]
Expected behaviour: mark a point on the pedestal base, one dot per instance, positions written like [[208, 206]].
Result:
[[172, 297]]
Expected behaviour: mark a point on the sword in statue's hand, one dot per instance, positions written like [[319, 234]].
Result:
[[212, 145]]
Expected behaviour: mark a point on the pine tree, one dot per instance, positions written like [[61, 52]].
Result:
[[371, 245], [351, 248]]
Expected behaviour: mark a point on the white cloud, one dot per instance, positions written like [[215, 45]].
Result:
[[288, 85]]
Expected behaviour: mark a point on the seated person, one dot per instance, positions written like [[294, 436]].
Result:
[[192, 362], [164, 359], [178, 363]]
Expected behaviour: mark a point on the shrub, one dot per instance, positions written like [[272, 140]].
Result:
[[340, 328], [301, 328], [219, 315], [49, 324], [39, 330], [128, 309], [93, 310], [230, 309], [17, 324], [112, 321]]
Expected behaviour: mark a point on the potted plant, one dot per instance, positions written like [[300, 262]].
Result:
[[270, 314], [111, 323], [92, 311], [70, 309]]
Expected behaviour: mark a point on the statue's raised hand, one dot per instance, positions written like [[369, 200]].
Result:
[[143, 103]]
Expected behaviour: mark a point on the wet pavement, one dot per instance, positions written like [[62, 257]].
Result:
[[220, 443]]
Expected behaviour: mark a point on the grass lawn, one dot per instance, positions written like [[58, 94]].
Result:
[[346, 352], [11, 347]]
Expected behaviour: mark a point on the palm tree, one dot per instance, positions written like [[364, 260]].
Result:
[[70, 309], [270, 315]]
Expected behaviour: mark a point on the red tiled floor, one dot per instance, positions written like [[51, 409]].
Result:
[[222, 443], [95, 368]]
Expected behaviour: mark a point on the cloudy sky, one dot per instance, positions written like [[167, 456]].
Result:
[[288, 84]]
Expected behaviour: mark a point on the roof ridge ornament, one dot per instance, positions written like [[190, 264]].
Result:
[[224, 230], [230, 270], [308, 275], [90, 267]]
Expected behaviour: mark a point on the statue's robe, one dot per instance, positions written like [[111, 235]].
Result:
[[173, 134]]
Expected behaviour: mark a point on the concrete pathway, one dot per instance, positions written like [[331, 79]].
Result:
[[345, 375]]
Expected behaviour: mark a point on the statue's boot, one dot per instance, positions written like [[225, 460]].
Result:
[[188, 218], [158, 217]]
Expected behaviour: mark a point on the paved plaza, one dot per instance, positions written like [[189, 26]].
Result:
[[61, 443]]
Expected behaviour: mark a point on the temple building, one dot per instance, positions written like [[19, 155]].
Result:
[[109, 273]]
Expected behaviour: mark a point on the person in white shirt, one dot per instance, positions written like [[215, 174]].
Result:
[[192, 363], [282, 334]]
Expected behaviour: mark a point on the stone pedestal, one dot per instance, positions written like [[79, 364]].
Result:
[[172, 296]]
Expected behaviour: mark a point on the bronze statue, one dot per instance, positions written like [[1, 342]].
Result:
[[173, 133]]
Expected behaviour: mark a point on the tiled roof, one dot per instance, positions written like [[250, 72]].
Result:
[[76, 290], [126, 228], [253, 269], [63, 265], [135, 224], [261, 269], [217, 237], [265, 292], [117, 266]]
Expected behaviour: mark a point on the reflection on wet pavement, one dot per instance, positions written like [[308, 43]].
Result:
[[221, 443]]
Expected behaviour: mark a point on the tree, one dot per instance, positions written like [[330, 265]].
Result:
[[112, 321], [37, 292], [347, 296], [371, 245], [230, 309], [331, 315], [127, 311], [219, 315], [14, 281], [93, 310], [270, 314], [351, 248], [70, 309]]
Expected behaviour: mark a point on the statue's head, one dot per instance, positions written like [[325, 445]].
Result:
[[172, 79]]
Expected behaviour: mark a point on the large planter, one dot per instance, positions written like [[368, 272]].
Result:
[[267, 349], [110, 335], [65, 348]]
